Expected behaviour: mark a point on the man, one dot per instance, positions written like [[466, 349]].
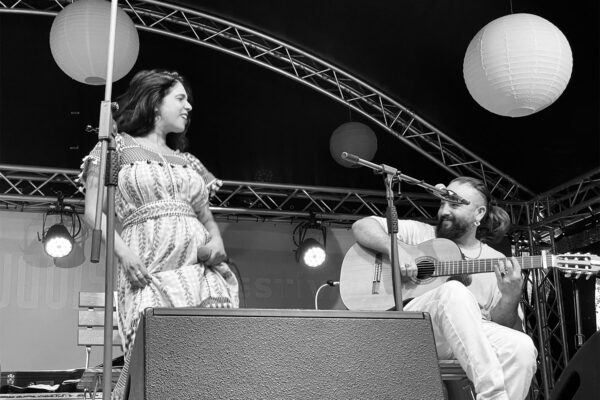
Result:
[[475, 320]]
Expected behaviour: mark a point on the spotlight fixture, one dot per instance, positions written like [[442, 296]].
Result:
[[57, 240], [310, 251]]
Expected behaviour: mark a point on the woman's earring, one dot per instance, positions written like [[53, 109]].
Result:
[[476, 223]]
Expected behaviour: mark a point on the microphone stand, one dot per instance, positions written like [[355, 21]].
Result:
[[391, 216], [390, 175], [107, 168]]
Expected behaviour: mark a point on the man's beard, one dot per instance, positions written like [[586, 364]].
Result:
[[455, 230]]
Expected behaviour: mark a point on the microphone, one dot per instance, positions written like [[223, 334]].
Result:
[[451, 197], [351, 158], [332, 283]]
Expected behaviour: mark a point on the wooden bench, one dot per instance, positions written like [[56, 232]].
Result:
[[90, 332], [456, 384]]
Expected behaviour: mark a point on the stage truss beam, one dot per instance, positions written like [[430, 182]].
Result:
[[31, 188]]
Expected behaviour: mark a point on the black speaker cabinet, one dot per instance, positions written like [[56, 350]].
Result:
[[581, 378], [284, 354]]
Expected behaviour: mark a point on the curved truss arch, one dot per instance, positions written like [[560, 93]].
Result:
[[202, 29]]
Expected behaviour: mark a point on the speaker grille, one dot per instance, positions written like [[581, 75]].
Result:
[[260, 354]]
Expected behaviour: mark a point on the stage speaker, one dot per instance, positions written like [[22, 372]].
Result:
[[197, 353], [581, 378]]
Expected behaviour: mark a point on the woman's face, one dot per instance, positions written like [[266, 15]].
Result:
[[174, 110]]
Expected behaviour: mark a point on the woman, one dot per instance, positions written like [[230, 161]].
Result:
[[170, 252]]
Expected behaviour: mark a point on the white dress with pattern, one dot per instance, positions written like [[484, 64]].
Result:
[[157, 200]]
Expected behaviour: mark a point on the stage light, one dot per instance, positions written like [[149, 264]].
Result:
[[58, 240], [310, 251]]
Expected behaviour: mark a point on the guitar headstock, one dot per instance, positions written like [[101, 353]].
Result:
[[578, 264]]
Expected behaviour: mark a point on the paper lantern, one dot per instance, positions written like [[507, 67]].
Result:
[[79, 41], [354, 138], [517, 65]]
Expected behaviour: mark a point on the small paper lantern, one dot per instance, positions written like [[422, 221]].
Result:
[[79, 41], [354, 138], [517, 65]]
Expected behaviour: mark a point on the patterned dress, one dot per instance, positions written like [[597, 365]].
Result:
[[157, 201]]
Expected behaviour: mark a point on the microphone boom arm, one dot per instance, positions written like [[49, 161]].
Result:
[[443, 194]]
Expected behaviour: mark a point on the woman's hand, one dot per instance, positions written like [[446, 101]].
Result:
[[212, 253], [214, 187], [134, 269]]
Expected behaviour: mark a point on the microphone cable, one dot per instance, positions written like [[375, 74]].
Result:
[[328, 283]]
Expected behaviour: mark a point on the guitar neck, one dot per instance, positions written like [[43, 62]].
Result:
[[446, 268]]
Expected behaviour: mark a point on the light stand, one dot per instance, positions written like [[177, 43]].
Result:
[[107, 167], [391, 175]]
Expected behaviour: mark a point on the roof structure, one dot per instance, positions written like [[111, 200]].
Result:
[[376, 63]]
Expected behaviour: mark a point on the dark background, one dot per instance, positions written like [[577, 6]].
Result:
[[252, 124]]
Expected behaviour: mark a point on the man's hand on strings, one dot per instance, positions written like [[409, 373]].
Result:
[[508, 275]]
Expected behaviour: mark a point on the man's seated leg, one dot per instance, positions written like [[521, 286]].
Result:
[[517, 355], [457, 326]]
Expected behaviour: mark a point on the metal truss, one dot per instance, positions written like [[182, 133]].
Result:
[[34, 189], [549, 215], [566, 204], [26, 188], [30, 188], [545, 324], [263, 201], [199, 28]]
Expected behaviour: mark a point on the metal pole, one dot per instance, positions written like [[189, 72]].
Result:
[[107, 166], [540, 318], [560, 308]]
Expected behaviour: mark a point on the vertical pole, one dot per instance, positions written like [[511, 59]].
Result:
[[105, 131], [540, 317], [392, 221]]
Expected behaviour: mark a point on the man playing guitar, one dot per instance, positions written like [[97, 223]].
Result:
[[476, 318]]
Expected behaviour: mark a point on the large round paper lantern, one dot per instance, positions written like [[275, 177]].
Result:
[[79, 41], [517, 65], [354, 138]]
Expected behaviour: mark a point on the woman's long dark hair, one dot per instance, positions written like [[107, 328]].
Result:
[[496, 221], [139, 104]]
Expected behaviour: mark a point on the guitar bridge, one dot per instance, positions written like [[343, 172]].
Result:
[[377, 266]]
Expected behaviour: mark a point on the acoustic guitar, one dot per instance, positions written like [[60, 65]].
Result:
[[366, 276]]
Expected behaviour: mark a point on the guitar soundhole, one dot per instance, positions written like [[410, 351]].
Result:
[[426, 268]]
